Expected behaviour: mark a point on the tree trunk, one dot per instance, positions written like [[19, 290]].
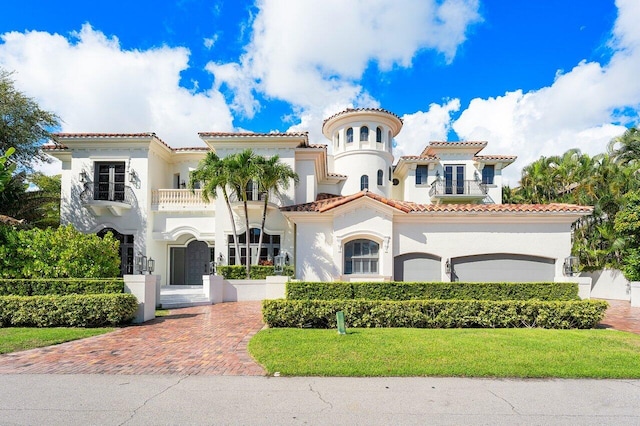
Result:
[[264, 219], [233, 227], [248, 240]]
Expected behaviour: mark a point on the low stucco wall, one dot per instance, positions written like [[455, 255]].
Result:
[[609, 284], [217, 289]]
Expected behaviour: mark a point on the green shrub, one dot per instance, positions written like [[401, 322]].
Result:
[[435, 313], [258, 272], [33, 287], [431, 290], [57, 253], [95, 310]]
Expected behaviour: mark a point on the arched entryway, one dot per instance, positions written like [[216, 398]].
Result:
[[125, 250], [190, 263]]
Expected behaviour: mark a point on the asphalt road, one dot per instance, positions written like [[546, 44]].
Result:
[[162, 400]]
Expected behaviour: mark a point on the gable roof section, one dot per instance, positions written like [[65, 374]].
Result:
[[434, 147], [326, 202]]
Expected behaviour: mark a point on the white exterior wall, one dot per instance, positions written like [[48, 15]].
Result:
[[359, 163], [465, 236], [306, 191], [314, 260]]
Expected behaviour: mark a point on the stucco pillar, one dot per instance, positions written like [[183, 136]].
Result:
[[158, 284], [213, 288], [275, 287], [584, 285], [635, 293], [143, 287]]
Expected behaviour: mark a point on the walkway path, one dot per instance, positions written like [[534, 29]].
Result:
[[202, 340], [621, 316]]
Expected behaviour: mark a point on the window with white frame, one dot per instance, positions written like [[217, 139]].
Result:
[[364, 134], [488, 174], [350, 135], [422, 172], [364, 182], [361, 257]]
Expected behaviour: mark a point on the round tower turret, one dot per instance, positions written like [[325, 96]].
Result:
[[362, 141]]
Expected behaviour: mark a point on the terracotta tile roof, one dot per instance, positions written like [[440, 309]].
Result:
[[250, 134], [57, 136], [350, 110], [479, 145], [326, 202], [495, 158], [418, 157]]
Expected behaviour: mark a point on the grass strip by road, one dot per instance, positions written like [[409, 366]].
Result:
[[526, 353], [13, 339]]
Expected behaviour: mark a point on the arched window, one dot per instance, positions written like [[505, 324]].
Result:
[[364, 133], [380, 177], [361, 257], [379, 135], [349, 135], [364, 182], [338, 139]]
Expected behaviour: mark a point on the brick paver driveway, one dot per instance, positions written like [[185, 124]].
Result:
[[621, 316], [202, 340]]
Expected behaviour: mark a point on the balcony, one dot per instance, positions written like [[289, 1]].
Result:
[[115, 198], [179, 200], [457, 191]]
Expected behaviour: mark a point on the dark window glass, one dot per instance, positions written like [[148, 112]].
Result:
[[380, 177], [364, 182], [364, 133], [379, 135], [488, 173], [109, 181], [349, 135], [361, 257], [422, 172]]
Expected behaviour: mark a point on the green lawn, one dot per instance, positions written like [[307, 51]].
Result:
[[449, 352], [14, 339]]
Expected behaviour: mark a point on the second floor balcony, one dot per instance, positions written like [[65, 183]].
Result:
[[452, 190], [103, 197], [179, 200]]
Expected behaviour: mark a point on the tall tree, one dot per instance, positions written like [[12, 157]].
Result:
[[6, 168], [214, 174], [626, 148], [243, 170], [23, 124], [274, 176]]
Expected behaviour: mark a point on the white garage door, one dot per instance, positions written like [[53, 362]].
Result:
[[420, 267], [502, 268]]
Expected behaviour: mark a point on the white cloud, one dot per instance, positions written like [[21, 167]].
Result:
[[96, 86], [209, 42], [420, 128], [307, 54], [579, 110]]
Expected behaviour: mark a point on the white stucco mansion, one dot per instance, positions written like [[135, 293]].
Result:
[[356, 214]]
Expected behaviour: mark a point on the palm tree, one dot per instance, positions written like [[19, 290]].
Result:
[[626, 148], [242, 171], [213, 173], [274, 177]]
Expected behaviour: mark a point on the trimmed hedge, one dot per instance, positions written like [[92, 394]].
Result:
[[431, 290], [53, 286], [435, 313], [258, 272], [95, 310]]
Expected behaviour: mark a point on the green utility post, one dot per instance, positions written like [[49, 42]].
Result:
[[340, 319]]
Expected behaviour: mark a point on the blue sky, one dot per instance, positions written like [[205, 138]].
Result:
[[532, 77]]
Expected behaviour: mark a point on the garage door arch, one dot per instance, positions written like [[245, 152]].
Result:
[[502, 267], [423, 267]]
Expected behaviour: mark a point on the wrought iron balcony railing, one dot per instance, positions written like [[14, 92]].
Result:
[[114, 192], [458, 188]]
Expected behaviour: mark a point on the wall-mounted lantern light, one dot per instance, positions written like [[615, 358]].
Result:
[[151, 265], [133, 176], [571, 266], [447, 266], [141, 263], [278, 264], [83, 177], [287, 259]]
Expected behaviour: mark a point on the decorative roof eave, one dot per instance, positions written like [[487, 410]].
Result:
[[327, 204], [392, 120], [436, 147], [403, 163], [503, 159]]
